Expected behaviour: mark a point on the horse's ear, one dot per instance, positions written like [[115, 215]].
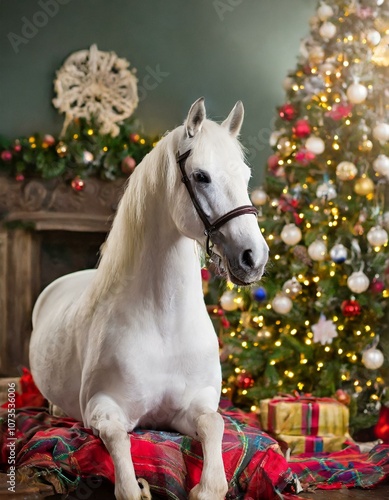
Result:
[[235, 119], [195, 117]]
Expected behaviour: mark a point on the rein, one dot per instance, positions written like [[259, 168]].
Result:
[[210, 227]]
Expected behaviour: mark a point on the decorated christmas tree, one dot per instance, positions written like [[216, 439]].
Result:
[[318, 322]]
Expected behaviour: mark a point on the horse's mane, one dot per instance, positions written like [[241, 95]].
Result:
[[157, 171]]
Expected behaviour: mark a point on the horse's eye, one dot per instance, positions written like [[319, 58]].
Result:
[[200, 176]]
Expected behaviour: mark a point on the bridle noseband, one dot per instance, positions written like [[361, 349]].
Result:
[[210, 227]]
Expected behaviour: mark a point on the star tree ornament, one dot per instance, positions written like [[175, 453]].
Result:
[[324, 331]]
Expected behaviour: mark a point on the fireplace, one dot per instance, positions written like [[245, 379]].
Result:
[[47, 230]]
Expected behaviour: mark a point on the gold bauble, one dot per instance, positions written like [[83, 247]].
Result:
[[364, 186], [365, 145], [284, 146], [62, 149]]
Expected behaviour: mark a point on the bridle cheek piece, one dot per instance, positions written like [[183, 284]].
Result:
[[210, 227]]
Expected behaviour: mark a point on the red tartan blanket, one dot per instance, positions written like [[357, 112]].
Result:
[[64, 452]]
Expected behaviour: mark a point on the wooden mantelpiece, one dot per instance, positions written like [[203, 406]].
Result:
[[28, 210]]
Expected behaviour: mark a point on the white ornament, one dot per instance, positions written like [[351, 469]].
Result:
[[346, 170], [287, 83], [373, 37], [381, 132], [358, 282], [228, 302], [281, 304], [317, 250], [292, 288], [338, 253], [324, 330], [326, 190], [373, 358], [316, 55], [291, 234], [356, 93], [92, 83], [315, 145], [258, 197], [377, 236], [381, 165], [324, 12], [274, 136], [327, 30]]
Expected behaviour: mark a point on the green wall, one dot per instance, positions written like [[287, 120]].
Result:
[[224, 50]]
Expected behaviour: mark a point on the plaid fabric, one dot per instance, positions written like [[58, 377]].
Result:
[[65, 452], [343, 469]]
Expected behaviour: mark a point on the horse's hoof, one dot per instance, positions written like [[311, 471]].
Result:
[[145, 489], [197, 493]]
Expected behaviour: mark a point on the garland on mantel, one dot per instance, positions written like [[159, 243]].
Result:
[[81, 153]]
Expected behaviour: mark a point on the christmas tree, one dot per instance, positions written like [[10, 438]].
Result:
[[317, 323]]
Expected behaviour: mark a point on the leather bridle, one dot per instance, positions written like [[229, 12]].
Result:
[[211, 228]]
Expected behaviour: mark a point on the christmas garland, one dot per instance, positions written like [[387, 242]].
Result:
[[81, 153]]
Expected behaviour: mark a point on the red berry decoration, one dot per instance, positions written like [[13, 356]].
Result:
[[205, 274], [244, 381], [128, 164], [78, 184], [351, 308], [302, 129], [287, 112], [19, 177], [6, 155]]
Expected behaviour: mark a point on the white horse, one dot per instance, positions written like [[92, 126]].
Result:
[[131, 344]]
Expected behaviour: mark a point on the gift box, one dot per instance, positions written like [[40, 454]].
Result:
[[304, 416], [311, 444]]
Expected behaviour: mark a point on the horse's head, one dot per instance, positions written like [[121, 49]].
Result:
[[216, 178]]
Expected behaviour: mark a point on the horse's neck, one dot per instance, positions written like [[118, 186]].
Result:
[[147, 260]]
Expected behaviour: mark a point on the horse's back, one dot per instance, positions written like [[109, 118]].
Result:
[[60, 292]]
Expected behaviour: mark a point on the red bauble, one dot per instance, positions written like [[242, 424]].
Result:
[[225, 323], [272, 162], [287, 112], [205, 274], [48, 140], [78, 184], [128, 164], [304, 157], [343, 397], [302, 129], [6, 155], [377, 286], [351, 308], [244, 381], [381, 430], [134, 137], [17, 147], [19, 177]]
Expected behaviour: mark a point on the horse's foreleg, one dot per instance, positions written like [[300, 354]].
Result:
[[206, 425], [106, 418]]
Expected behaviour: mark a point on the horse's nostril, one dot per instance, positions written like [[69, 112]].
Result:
[[247, 259]]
